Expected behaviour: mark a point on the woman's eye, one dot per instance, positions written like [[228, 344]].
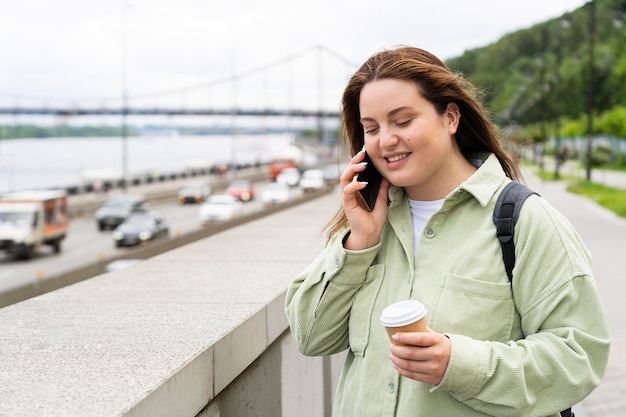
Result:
[[371, 130], [403, 123]]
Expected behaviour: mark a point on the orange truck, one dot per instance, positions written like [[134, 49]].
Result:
[[31, 219], [278, 164], [291, 156]]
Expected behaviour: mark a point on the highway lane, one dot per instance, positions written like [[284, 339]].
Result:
[[86, 245]]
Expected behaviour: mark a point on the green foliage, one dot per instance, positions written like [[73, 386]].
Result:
[[572, 128], [35, 131], [541, 73], [611, 198], [601, 155], [613, 121]]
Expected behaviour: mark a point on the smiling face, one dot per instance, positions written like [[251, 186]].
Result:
[[411, 144]]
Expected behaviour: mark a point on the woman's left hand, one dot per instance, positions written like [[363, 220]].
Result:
[[422, 356]]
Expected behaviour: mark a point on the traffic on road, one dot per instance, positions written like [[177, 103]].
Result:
[[102, 237]]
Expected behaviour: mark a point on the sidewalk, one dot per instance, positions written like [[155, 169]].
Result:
[[605, 235], [601, 176]]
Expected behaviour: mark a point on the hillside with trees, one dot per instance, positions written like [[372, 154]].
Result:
[[536, 81]]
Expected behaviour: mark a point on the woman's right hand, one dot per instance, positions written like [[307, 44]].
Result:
[[366, 226]]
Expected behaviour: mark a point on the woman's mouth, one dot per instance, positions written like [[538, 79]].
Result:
[[396, 158]]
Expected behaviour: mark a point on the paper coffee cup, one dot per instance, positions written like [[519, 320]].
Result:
[[404, 316]]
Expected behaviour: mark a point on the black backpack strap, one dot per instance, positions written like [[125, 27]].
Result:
[[505, 215]]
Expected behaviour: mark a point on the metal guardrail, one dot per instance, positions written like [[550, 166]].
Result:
[[86, 203]]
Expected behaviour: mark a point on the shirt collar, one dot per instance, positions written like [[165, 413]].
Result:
[[482, 185], [486, 181]]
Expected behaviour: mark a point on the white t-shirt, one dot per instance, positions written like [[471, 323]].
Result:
[[421, 211]]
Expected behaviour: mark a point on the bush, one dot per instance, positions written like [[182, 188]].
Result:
[[601, 155]]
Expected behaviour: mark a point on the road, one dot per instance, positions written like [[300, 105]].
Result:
[[86, 245]]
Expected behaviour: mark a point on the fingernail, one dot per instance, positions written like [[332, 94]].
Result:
[[362, 163], [393, 364], [363, 182]]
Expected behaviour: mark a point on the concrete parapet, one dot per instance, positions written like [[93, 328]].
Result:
[[199, 330]]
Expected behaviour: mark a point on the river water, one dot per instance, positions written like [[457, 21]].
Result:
[[66, 162]]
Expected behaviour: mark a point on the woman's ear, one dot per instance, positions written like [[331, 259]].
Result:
[[454, 117]]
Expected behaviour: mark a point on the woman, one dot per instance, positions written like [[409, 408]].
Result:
[[531, 348]]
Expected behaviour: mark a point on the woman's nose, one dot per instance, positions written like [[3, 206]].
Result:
[[387, 138]]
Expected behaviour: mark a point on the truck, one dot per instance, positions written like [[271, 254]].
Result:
[[290, 157], [31, 219]]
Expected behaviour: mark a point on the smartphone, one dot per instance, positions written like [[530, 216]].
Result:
[[374, 179]]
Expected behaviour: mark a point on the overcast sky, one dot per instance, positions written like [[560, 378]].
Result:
[[81, 51]]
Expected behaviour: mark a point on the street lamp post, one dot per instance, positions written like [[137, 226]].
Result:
[[232, 165], [320, 92], [124, 101], [592, 35], [565, 22], [541, 62]]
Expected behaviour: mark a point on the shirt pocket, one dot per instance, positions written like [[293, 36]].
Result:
[[478, 309], [360, 321]]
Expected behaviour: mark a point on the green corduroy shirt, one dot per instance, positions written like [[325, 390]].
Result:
[[531, 348]]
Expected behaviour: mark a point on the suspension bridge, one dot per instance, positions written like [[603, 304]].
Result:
[[306, 84]]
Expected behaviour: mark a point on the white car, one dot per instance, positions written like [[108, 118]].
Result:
[[219, 208], [289, 176], [312, 179], [275, 193], [332, 173]]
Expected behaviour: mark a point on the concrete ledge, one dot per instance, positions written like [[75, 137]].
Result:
[[163, 338]]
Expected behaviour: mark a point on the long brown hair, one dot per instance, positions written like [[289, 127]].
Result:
[[437, 84]]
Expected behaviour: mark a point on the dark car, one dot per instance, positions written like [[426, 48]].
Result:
[[196, 192], [116, 209], [242, 189], [140, 229]]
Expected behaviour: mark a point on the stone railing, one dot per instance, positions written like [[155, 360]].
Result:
[[196, 331]]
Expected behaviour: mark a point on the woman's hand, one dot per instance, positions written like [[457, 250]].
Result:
[[366, 226], [422, 356]]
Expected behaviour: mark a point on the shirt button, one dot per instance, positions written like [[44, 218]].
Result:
[[430, 232], [391, 387]]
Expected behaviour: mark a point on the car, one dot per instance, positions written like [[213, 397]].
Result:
[[117, 208], [220, 208], [332, 173], [241, 189], [194, 192], [275, 193], [312, 180], [289, 176], [140, 228]]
